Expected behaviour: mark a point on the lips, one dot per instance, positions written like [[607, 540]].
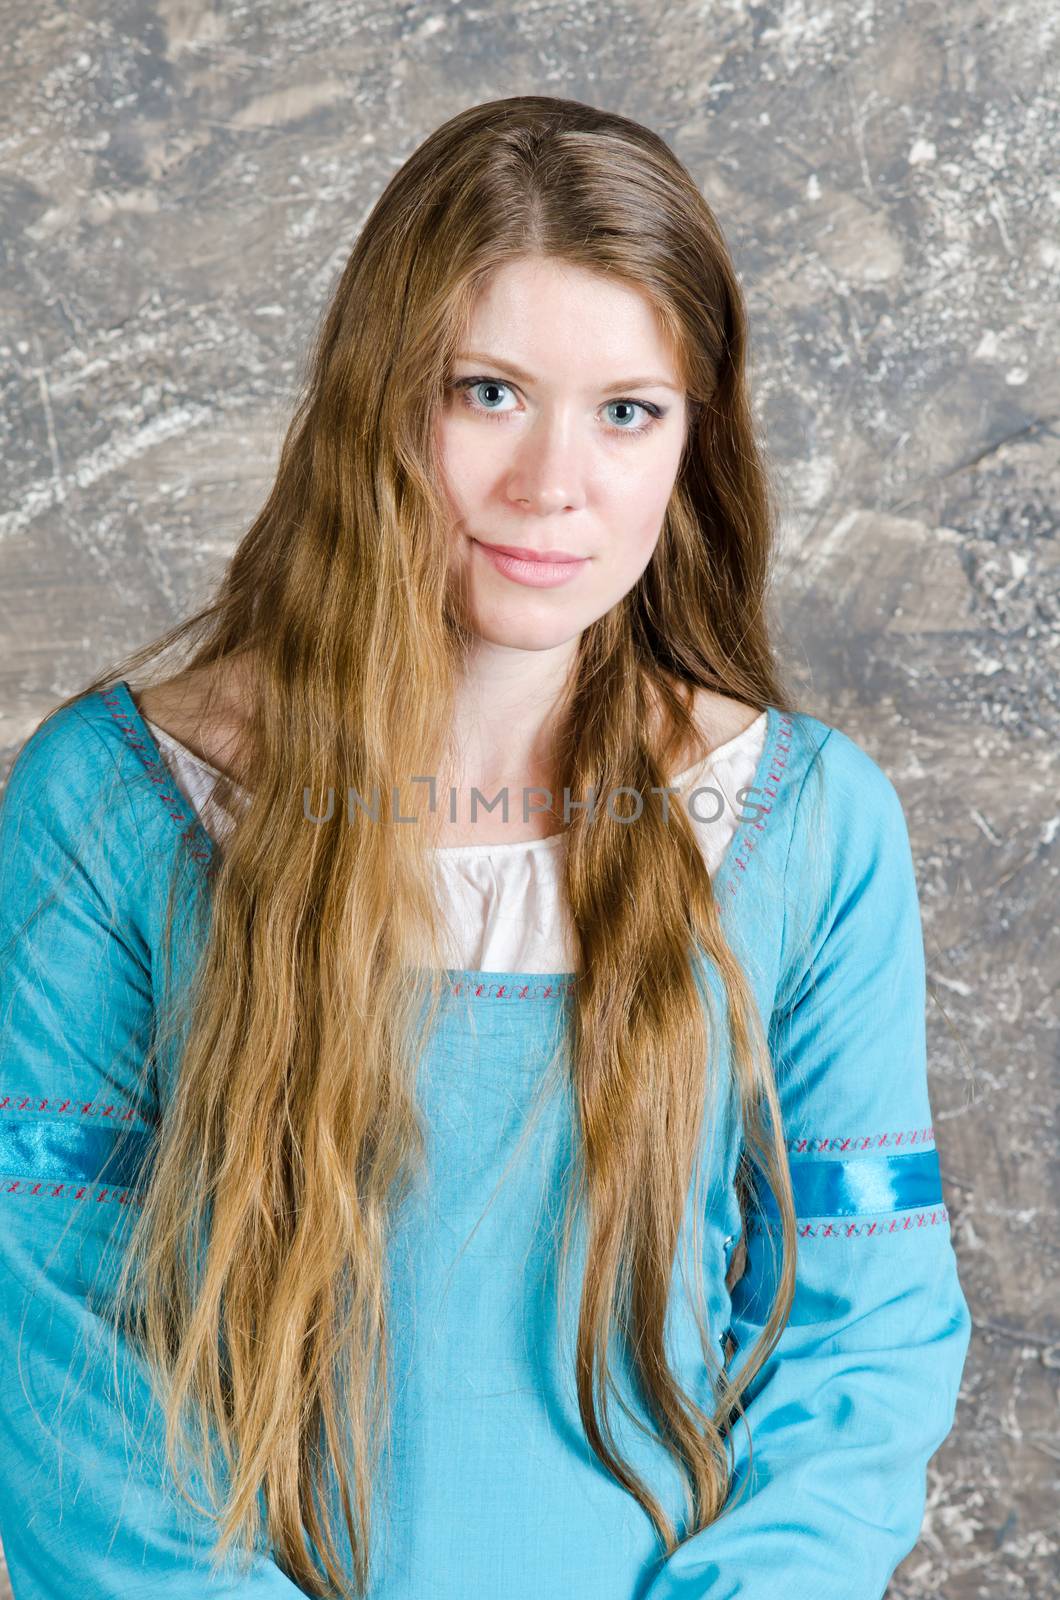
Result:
[[539, 569], [522, 554]]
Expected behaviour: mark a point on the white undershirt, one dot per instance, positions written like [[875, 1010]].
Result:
[[505, 905]]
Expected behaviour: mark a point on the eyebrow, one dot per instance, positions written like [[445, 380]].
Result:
[[528, 377]]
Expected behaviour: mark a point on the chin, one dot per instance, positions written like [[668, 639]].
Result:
[[525, 633]]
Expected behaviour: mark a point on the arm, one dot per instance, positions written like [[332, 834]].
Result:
[[862, 1388], [86, 1506]]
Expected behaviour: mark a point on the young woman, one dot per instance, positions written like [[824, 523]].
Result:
[[407, 1195]]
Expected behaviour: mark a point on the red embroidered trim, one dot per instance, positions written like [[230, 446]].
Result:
[[160, 776], [85, 1107], [847, 1230], [777, 766], [475, 989], [874, 1229], [877, 1141], [42, 1190]]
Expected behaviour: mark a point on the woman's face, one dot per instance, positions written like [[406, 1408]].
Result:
[[561, 431]]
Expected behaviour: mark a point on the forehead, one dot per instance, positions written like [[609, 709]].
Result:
[[548, 317]]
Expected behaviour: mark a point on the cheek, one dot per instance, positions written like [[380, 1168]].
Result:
[[465, 470], [637, 505], [639, 478], [635, 552]]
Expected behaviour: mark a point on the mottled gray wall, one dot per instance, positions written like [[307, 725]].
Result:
[[181, 183]]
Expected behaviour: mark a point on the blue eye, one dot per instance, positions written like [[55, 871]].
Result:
[[638, 403], [468, 384], [465, 387]]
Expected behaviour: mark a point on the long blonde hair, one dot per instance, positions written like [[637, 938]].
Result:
[[257, 1264]]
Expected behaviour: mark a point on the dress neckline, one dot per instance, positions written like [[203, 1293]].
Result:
[[480, 983], [455, 852], [731, 747]]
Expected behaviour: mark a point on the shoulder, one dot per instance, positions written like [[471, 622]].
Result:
[[843, 788], [66, 812], [67, 758], [849, 841], [849, 879]]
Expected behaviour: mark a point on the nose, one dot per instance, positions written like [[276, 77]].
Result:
[[546, 473]]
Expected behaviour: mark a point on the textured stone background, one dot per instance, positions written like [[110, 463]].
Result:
[[181, 183]]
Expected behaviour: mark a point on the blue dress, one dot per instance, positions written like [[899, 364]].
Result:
[[493, 1489]]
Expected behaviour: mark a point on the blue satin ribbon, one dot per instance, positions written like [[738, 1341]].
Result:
[[829, 1188], [70, 1152], [52, 1151]]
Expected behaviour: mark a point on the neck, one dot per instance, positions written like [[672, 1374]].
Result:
[[506, 714]]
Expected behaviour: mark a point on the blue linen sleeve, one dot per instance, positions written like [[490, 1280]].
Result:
[[86, 1506], [862, 1388]]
